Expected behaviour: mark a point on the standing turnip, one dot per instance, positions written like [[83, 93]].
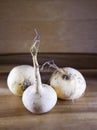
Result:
[[38, 98]]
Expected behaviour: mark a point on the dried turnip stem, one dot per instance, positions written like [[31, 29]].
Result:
[[52, 65], [34, 51]]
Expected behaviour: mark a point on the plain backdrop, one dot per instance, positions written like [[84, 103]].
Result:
[[63, 25]]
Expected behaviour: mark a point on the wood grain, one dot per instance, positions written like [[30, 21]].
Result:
[[79, 114]]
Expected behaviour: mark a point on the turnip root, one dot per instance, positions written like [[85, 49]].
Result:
[[68, 82], [38, 98], [19, 78]]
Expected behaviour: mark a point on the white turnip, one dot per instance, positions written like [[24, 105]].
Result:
[[38, 98]]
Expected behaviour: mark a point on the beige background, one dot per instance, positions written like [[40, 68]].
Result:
[[64, 25]]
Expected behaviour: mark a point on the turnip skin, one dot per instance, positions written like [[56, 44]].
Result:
[[41, 102]]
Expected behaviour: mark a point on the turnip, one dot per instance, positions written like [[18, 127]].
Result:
[[38, 98], [19, 78], [68, 82]]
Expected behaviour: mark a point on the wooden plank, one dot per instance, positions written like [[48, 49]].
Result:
[[47, 10], [61, 36], [76, 60]]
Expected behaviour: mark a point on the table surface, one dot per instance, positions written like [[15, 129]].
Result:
[[80, 114]]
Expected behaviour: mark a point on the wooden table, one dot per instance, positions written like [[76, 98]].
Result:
[[80, 114], [67, 115]]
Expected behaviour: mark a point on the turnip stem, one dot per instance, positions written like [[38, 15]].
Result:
[[37, 74], [53, 65], [34, 51]]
